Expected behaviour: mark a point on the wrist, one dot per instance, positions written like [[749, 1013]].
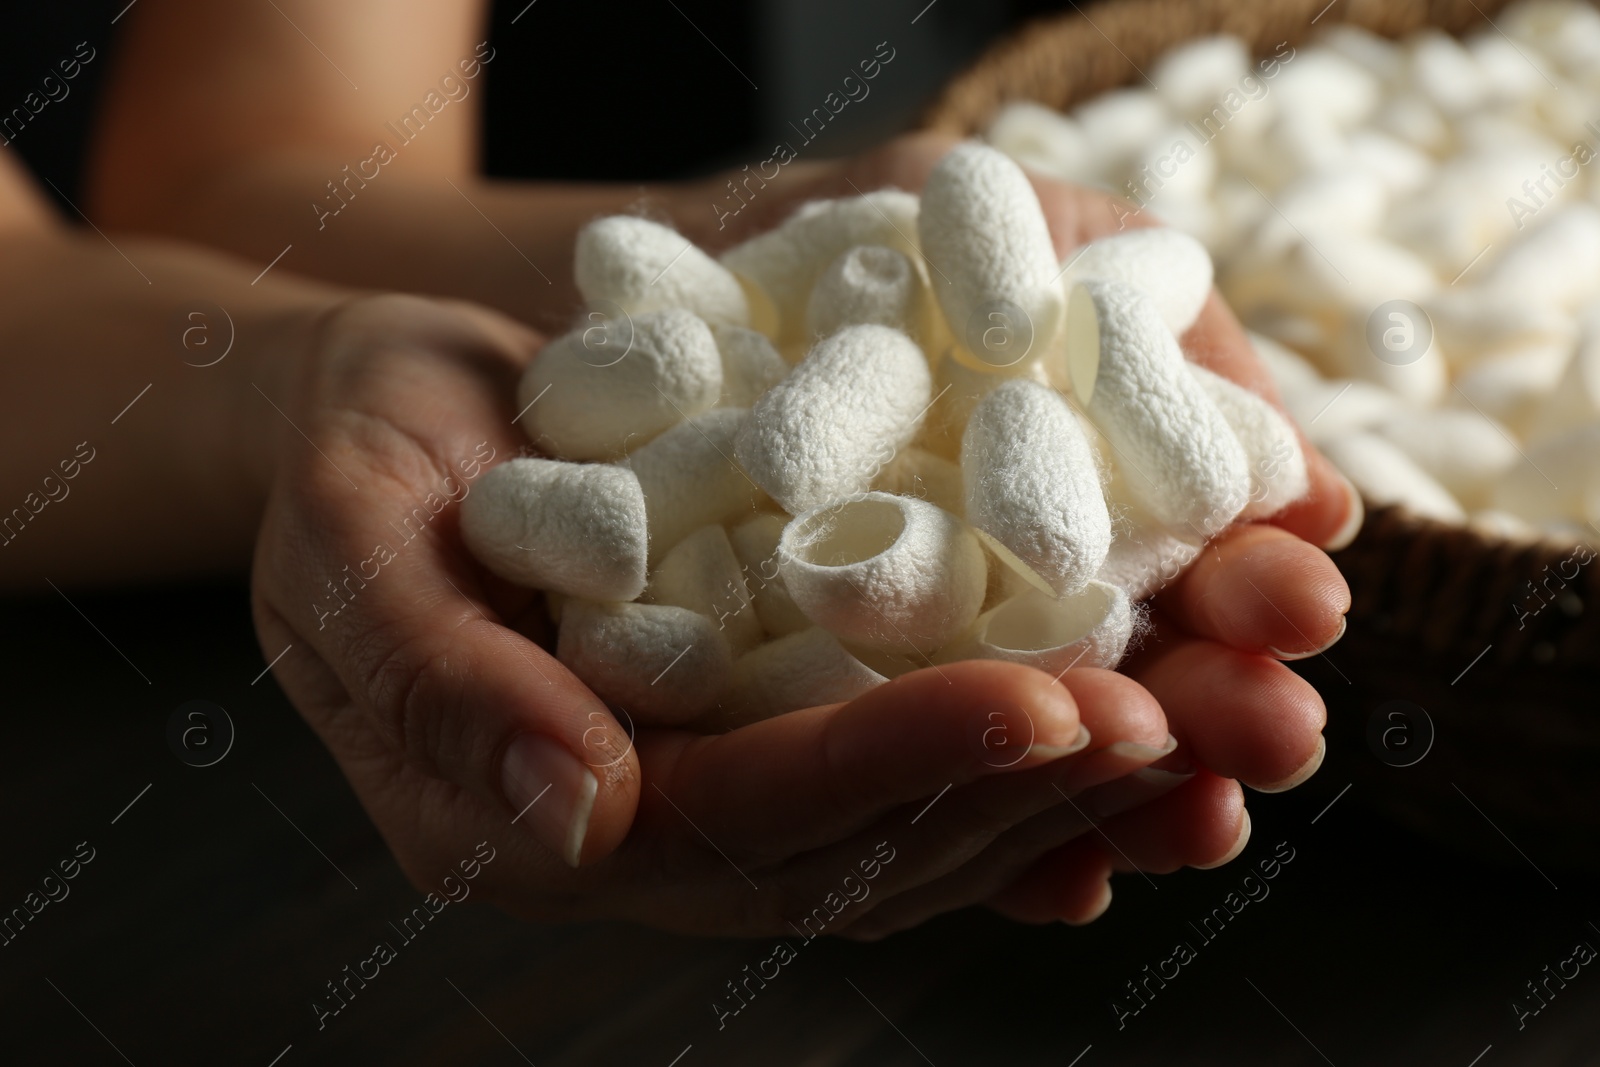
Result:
[[278, 347]]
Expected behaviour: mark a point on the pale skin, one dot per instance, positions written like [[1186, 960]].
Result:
[[426, 681]]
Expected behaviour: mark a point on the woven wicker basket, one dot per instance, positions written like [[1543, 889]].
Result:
[[1435, 620]]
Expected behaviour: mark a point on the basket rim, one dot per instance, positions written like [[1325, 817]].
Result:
[[1297, 19]]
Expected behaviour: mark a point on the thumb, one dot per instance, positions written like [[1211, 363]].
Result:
[[431, 685], [561, 761], [428, 697]]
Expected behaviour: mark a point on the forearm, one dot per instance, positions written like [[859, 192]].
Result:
[[223, 126], [355, 156], [504, 244], [131, 447]]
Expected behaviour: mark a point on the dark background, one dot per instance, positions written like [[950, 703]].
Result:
[[655, 101], [208, 920]]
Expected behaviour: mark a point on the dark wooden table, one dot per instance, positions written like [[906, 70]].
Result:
[[220, 901]]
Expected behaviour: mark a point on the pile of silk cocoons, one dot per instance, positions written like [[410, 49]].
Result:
[[892, 433], [1330, 180]]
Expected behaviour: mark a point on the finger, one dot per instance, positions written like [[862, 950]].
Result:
[[1070, 885], [935, 838], [396, 609], [1014, 852], [1330, 513], [903, 163], [1218, 343], [912, 843], [1126, 731], [803, 780], [1077, 215], [1203, 824], [921, 840], [451, 691], [1240, 714], [1261, 589]]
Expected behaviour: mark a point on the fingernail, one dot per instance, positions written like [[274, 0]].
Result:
[[1352, 523], [1132, 791], [1054, 752], [1161, 780], [1052, 714], [1238, 846], [552, 792], [1099, 909], [1334, 640], [1306, 770], [1133, 751]]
